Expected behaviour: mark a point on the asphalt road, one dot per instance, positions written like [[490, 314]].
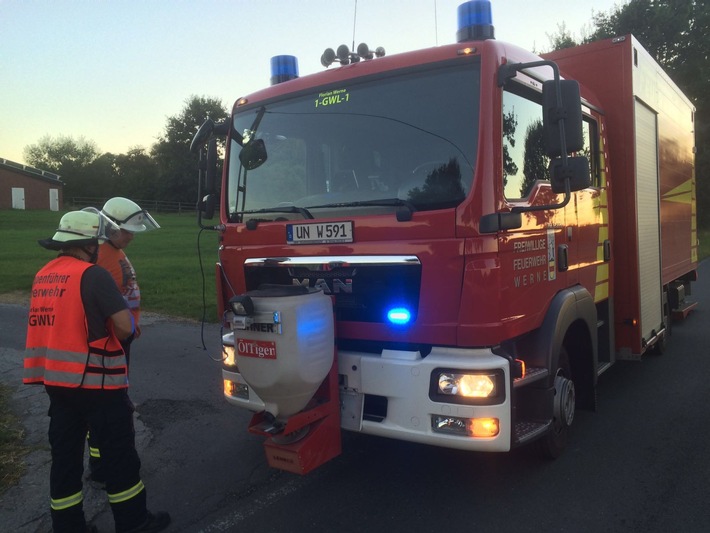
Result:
[[638, 464]]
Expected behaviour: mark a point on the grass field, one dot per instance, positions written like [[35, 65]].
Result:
[[167, 262]]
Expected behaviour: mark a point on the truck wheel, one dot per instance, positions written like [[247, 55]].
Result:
[[660, 347], [555, 440]]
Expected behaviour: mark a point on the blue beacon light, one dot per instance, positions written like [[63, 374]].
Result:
[[475, 22], [283, 68], [399, 316]]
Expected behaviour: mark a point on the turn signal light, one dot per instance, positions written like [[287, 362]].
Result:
[[484, 427], [236, 390]]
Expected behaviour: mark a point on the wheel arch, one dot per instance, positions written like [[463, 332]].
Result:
[[571, 320]]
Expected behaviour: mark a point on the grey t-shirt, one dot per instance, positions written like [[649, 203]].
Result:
[[101, 299]]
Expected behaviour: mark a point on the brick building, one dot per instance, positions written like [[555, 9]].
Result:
[[25, 187]]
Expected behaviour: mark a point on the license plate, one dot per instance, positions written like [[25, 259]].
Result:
[[319, 232]]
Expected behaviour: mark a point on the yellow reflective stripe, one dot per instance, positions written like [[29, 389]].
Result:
[[603, 233], [70, 501], [93, 452], [601, 290], [602, 273], [683, 193], [126, 494]]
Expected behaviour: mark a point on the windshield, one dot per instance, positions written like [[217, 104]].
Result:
[[407, 139]]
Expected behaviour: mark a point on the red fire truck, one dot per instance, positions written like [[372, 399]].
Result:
[[447, 246]]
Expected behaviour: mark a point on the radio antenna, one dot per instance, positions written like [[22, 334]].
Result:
[[436, 26], [354, 21]]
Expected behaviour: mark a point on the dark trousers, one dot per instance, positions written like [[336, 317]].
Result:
[[108, 415], [98, 472]]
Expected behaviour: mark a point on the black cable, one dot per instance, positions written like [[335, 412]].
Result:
[[204, 303]]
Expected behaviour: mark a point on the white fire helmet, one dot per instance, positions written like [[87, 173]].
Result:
[[129, 215], [81, 228]]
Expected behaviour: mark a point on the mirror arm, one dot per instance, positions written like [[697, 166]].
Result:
[[529, 208]]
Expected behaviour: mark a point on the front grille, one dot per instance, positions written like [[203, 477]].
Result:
[[364, 287]]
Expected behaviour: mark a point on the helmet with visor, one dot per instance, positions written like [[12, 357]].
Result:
[[128, 215]]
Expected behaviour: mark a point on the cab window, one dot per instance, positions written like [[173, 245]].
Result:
[[524, 157]]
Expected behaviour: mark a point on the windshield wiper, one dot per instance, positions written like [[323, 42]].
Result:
[[403, 215], [304, 212]]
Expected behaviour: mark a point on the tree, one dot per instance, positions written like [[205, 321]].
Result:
[[442, 185], [71, 159], [536, 162], [562, 39], [136, 174], [176, 165], [510, 123], [53, 154]]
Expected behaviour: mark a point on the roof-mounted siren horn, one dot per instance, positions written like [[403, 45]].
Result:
[[475, 21], [364, 51], [344, 56], [283, 68]]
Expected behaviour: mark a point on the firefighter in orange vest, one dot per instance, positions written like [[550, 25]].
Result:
[[77, 319], [130, 219]]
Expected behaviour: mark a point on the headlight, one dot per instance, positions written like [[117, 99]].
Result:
[[467, 387], [230, 356]]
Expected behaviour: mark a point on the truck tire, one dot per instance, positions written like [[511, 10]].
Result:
[[553, 443], [660, 347]]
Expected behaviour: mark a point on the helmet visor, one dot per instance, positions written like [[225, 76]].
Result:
[[107, 227], [138, 222]]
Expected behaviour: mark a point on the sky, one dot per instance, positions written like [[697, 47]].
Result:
[[113, 71]]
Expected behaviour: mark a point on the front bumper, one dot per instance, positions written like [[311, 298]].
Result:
[[400, 380]]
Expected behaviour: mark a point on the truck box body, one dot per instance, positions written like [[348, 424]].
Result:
[[650, 132]]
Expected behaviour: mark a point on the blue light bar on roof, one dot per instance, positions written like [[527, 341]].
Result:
[[283, 68], [475, 21]]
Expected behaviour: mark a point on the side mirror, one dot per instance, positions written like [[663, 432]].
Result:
[[209, 128], [567, 112], [202, 135], [207, 206], [576, 170], [253, 155], [211, 170]]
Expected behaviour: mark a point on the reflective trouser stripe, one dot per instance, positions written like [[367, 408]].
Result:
[[93, 452], [61, 504], [126, 494]]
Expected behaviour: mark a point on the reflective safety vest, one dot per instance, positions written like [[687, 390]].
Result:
[[58, 351]]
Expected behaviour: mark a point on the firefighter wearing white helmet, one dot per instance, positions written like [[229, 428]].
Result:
[[130, 219], [128, 215], [77, 321], [82, 229]]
